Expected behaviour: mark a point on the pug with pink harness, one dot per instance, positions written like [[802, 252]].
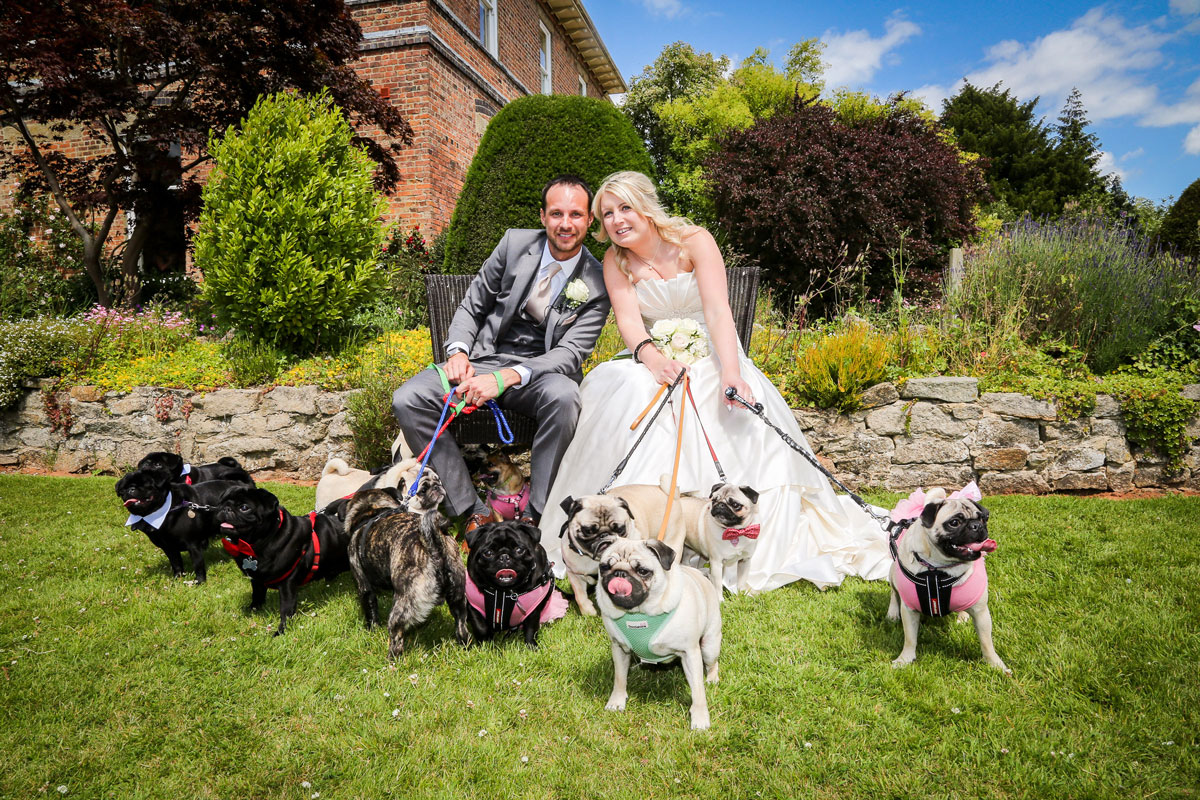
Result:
[[938, 566]]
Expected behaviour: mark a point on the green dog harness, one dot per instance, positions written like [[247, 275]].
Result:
[[637, 631]]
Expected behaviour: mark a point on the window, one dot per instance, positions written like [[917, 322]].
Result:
[[545, 59], [487, 25], [582, 87]]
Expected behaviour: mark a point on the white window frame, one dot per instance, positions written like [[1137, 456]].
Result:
[[582, 87], [544, 54], [487, 34]]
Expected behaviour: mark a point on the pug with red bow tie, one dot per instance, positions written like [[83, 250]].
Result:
[[723, 529]]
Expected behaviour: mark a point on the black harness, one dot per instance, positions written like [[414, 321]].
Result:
[[933, 585]]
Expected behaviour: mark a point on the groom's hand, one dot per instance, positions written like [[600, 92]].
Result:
[[481, 388], [459, 368]]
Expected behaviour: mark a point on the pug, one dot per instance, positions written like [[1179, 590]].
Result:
[[411, 555], [938, 568], [659, 610], [276, 550], [723, 530], [510, 585], [225, 469], [339, 479], [507, 487], [593, 521], [174, 516]]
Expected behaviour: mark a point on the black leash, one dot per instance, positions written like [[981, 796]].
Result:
[[757, 409], [663, 404]]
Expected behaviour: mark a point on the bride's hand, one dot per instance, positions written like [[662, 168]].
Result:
[[741, 387], [663, 369]]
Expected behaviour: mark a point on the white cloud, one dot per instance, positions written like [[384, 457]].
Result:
[[1185, 6], [664, 8], [933, 95], [1098, 53], [854, 57], [1107, 165], [1191, 144]]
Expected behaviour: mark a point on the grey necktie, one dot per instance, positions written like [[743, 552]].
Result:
[[539, 299]]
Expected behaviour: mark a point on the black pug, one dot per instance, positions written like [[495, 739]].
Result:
[[509, 582], [276, 550], [225, 469], [174, 516], [411, 555]]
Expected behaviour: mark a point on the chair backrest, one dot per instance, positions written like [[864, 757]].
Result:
[[445, 293]]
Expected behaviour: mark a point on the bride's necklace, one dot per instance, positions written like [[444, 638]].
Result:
[[654, 257]]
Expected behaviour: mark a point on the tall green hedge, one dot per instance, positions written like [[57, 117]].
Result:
[[529, 142], [1181, 225]]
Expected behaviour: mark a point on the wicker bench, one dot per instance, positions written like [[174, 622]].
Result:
[[445, 294]]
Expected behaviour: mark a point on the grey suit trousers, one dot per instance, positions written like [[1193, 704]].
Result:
[[551, 399]]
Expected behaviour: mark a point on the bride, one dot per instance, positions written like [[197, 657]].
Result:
[[663, 268]]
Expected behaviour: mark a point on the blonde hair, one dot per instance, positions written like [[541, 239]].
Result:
[[636, 190]]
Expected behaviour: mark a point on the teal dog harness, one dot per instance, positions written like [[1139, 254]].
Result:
[[637, 631]]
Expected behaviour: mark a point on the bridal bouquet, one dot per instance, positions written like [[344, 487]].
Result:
[[680, 339]]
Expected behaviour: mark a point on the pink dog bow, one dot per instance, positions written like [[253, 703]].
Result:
[[911, 507], [732, 534]]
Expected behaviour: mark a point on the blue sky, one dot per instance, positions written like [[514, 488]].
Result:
[[1136, 64]]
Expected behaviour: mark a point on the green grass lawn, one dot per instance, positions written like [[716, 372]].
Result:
[[120, 681]]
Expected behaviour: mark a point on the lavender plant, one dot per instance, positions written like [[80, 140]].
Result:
[[1096, 286]]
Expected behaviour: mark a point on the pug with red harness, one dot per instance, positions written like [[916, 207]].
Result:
[[226, 468], [938, 566], [276, 550]]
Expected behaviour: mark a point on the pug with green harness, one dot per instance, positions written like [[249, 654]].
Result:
[[659, 610]]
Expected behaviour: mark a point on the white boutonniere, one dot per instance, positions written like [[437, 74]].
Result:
[[575, 295], [680, 339]]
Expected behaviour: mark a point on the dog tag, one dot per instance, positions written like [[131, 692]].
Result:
[[249, 564], [191, 514]]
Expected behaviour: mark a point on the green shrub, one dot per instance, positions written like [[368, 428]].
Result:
[[34, 348], [384, 365], [1097, 287], [402, 303], [530, 141], [253, 362], [289, 238], [835, 370], [1181, 226]]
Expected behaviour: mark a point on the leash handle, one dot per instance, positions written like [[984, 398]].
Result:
[[502, 429], [757, 410]]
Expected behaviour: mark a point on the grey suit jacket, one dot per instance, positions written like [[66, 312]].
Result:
[[499, 290]]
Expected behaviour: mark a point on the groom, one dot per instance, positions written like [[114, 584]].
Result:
[[518, 337]]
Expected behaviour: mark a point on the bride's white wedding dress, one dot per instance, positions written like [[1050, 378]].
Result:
[[808, 532]]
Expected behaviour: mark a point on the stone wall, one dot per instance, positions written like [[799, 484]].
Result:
[[933, 432]]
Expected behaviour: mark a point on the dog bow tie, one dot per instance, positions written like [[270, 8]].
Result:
[[911, 507], [732, 534]]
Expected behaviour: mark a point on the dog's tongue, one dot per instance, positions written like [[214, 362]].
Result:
[[620, 587], [506, 575], [987, 546], [227, 525], [130, 501]]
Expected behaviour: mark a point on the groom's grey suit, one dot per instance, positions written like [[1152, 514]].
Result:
[[491, 323]]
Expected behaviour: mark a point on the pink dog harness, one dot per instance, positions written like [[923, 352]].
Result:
[[936, 593], [509, 506], [505, 611]]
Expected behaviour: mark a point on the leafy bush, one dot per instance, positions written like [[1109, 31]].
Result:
[[402, 303], [530, 141], [253, 362], [835, 370], [289, 238], [1096, 287], [40, 262], [1181, 225], [33, 348], [384, 365], [803, 194]]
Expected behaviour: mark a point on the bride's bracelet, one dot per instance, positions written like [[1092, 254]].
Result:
[[638, 349]]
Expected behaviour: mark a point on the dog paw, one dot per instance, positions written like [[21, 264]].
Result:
[[700, 722], [893, 615], [962, 617], [713, 675], [615, 704], [902, 661]]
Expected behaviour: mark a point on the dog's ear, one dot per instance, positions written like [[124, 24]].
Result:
[[714, 489], [751, 495], [929, 514], [983, 512], [534, 532], [396, 493], [664, 552], [266, 498], [473, 537], [625, 505]]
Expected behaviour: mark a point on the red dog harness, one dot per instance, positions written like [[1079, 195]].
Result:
[[250, 564]]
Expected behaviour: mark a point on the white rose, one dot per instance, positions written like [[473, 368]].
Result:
[[689, 325], [700, 348], [577, 291], [680, 341], [663, 330]]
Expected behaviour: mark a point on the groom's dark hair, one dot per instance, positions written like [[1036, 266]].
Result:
[[566, 180]]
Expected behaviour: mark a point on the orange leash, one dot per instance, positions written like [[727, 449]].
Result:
[[662, 387], [662, 531]]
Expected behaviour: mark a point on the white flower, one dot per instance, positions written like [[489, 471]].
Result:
[[680, 339], [524, 759], [956, 710], [305, 784], [62, 789], [482, 733], [395, 712], [576, 293]]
